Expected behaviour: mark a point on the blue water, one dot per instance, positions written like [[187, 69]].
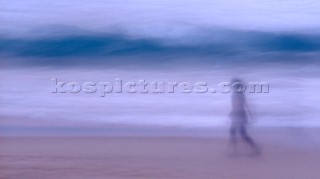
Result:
[[170, 40], [229, 43]]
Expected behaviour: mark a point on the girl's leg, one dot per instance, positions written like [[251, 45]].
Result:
[[247, 139], [233, 139]]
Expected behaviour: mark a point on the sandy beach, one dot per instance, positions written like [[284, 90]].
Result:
[[147, 157]]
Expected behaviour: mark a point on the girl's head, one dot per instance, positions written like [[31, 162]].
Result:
[[237, 85]]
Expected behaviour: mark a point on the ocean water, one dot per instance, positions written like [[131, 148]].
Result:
[[26, 92], [160, 41]]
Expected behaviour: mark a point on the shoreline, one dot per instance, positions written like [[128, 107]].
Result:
[[304, 138], [148, 157]]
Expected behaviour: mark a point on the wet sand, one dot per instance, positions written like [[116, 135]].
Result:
[[148, 157]]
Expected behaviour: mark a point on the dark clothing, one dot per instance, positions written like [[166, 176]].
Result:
[[239, 119], [241, 129], [238, 114]]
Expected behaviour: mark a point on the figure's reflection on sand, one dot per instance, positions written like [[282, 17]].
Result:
[[239, 117]]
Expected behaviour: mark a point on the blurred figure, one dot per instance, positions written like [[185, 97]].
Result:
[[239, 116]]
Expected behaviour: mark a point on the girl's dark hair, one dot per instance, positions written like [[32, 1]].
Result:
[[236, 80]]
